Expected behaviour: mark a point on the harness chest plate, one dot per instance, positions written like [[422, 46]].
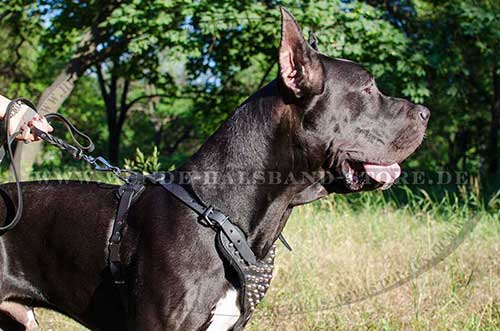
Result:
[[254, 279]]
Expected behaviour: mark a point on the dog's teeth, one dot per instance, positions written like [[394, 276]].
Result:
[[349, 177]]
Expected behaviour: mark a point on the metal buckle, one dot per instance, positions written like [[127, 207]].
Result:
[[114, 252], [204, 217]]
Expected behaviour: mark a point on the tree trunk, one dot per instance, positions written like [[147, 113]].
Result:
[[114, 144], [495, 125], [51, 100], [116, 109], [158, 136], [55, 95], [452, 159]]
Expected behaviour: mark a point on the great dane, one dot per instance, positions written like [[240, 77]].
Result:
[[321, 118]]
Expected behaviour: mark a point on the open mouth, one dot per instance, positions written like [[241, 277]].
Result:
[[357, 174]]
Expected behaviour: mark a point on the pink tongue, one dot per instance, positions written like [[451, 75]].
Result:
[[383, 174]]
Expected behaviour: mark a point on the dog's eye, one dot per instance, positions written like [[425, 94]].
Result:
[[368, 87]]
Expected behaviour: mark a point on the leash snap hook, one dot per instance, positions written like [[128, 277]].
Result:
[[101, 164]]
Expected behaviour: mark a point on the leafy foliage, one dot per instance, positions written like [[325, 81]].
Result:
[[165, 74], [144, 164]]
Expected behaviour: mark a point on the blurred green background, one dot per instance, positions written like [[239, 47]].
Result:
[[165, 74]]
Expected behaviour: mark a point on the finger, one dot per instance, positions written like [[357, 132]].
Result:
[[25, 134], [47, 126], [42, 125], [22, 117]]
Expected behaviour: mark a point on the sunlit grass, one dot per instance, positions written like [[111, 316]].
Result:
[[343, 256]]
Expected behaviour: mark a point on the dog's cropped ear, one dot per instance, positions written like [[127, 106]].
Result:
[[313, 41], [300, 68]]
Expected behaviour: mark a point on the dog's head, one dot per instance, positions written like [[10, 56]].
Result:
[[359, 135]]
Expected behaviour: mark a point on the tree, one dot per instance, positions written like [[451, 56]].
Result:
[[131, 41], [169, 72], [460, 39], [52, 99]]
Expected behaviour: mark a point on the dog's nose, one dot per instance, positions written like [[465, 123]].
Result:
[[423, 113]]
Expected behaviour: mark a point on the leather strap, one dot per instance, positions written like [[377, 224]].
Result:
[[73, 132], [254, 276], [128, 193], [214, 218], [254, 279], [285, 243], [7, 148]]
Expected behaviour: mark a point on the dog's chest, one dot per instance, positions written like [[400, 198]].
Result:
[[226, 312]]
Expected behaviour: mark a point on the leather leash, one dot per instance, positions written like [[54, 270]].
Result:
[[99, 163], [7, 149]]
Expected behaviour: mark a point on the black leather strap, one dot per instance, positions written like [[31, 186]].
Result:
[[7, 148], [213, 217], [254, 279], [285, 243], [254, 275], [127, 194], [73, 132]]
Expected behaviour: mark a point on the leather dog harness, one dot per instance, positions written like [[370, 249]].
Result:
[[254, 274]]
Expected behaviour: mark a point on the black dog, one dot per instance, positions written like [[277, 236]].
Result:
[[321, 118]]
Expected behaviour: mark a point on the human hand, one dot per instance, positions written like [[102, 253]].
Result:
[[22, 118], [38, 122]]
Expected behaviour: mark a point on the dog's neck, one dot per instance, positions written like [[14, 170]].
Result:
[[249, 157]]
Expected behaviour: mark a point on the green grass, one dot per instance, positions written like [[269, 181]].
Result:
[[341, 254], [346, 247]]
